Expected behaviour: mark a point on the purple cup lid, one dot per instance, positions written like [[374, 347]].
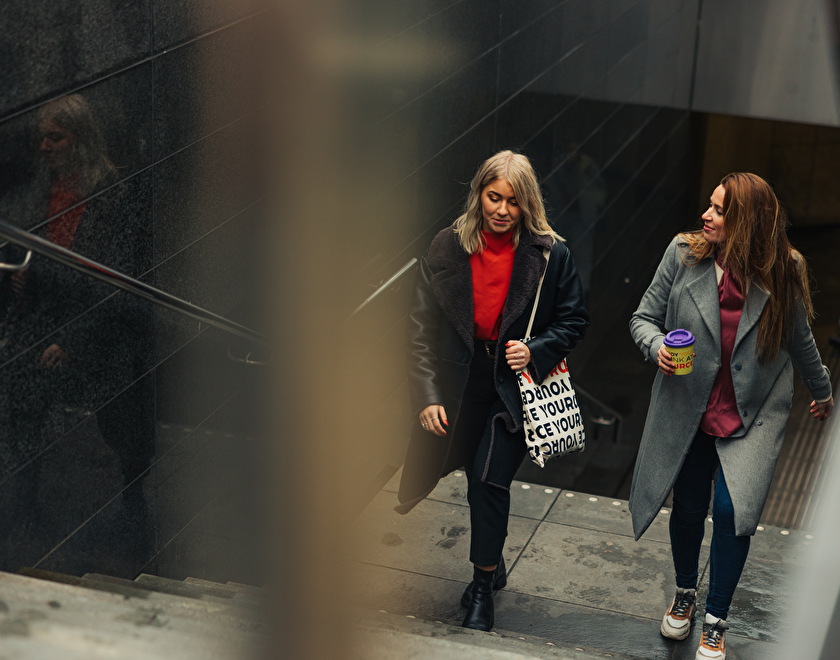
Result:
[[679, 338]]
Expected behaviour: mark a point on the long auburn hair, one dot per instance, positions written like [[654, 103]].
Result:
[[756, 248], [517, 170]]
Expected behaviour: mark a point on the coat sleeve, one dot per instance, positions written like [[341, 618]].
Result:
[[568, 322], [806, 358], [424, 319], [648, 320]]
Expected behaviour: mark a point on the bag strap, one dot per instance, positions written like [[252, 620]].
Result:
[[547, 255]]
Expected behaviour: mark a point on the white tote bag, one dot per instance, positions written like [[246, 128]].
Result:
[[552, 419]]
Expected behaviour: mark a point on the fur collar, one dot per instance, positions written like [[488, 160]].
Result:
[[451, 281]]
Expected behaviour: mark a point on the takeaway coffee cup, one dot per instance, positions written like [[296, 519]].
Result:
[[680, 344]]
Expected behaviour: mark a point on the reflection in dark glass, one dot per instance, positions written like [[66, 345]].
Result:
[[68, 345]]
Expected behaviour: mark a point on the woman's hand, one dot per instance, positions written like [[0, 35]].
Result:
[[517, 354], [54, 356], [822, 411], [19, 281], [433, 419], [665, 362]]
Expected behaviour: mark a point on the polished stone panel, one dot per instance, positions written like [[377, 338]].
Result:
[[414, 61], [47, 50], [215, 273], [782, 69], [195, 486], [204, 86], [199, 189], [196, 380], [176, 22], [628, 30], [448, 112], [523, 56]]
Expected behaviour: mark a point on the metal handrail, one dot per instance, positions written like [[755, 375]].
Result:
[[13, 268], [386, 284], [122, 281]]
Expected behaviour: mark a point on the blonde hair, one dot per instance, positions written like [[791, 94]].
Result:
[[89, 151], [516, 169], [757, 248]]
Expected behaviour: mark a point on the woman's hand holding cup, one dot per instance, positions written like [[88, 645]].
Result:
[[665, 362]]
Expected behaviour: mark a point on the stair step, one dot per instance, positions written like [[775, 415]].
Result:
[[249, 588], [248, 595], [228, 612], [42, 618], [107, 583], [208, 592], [181, 588], [391, 635]]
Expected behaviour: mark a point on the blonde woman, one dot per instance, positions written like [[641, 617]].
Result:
[[473, 298], [739, 286]]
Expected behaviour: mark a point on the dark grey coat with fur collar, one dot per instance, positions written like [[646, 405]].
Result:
[[442, 344]]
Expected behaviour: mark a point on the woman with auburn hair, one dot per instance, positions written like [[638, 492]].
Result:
[[474, 294], [740, 287]]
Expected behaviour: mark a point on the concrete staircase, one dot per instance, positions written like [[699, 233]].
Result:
[[46, 615]]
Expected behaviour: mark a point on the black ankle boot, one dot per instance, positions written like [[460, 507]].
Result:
[[480, 610], [499, 582]]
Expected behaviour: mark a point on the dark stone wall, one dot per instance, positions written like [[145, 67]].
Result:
[[136, 122]]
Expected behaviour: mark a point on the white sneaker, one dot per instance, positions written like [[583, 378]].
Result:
[[676, 624], [713, 640]]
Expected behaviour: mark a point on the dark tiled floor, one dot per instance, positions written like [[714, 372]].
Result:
[[576, 575]]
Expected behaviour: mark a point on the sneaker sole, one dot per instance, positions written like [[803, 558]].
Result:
[[666, 631]]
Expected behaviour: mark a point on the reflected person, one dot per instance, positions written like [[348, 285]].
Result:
[[740, 287], [67, 346], [473, 298]]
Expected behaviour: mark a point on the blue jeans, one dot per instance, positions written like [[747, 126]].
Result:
[[692, 492]]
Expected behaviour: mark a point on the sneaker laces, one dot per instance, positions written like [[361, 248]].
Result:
[[713, 634], [683, 602]]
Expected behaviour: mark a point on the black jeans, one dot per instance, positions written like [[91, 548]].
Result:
[[692, 492], [477, 433]]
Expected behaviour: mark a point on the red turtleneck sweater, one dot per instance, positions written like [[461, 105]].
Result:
[[62, 228], [491, 272]]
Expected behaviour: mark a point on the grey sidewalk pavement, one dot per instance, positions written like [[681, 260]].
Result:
[[578, 581]]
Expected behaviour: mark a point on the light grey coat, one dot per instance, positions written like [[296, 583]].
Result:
[[682, 296]]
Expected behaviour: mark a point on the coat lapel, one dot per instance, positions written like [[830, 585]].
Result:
[[528, 266], [753, 306], [704, 292], [451, 283]]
